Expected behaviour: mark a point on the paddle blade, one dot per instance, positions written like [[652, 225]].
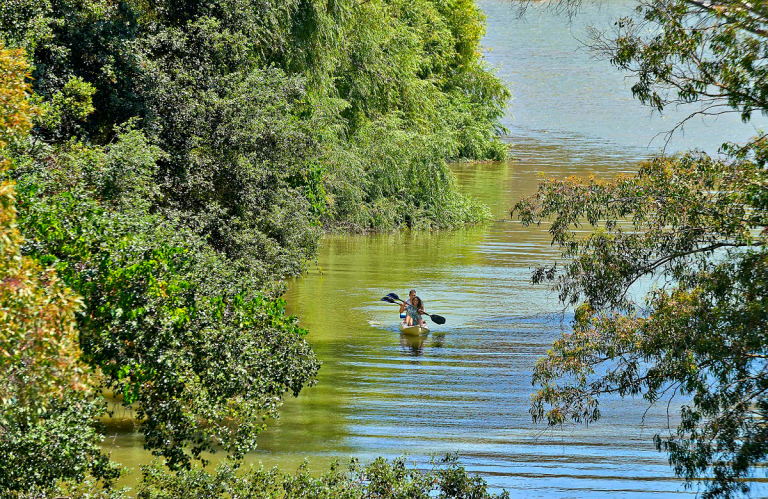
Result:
[[388, 299], [394, 296], [437, 319]]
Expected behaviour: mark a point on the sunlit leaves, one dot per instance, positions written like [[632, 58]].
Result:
[[167, 322], [655, 221], [186, 159], [15, 109], [38, 340], [41, 446], [46, 429], [697, 225], [380, 479], [684, 51]]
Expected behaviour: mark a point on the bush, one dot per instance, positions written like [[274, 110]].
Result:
[[380, 479], [205, 358], [56, 440]]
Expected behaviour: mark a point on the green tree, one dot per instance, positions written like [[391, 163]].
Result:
[[695, 227], [46, 430], [235, 156], [379, 479], [707, 53], [57, 439], [698, 226], [344, 68], [80, 44], [186, 156], [174, 330]]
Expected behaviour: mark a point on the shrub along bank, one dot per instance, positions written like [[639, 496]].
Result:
[[380, 479]]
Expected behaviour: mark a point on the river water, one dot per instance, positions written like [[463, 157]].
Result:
[[466, 387]]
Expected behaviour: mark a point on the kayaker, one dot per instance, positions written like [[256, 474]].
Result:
[[414, 311], [411, 295], [403, 306]]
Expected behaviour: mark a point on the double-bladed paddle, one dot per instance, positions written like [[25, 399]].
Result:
[[393, 298]]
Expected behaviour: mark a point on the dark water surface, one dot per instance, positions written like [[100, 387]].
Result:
[[466, 387]]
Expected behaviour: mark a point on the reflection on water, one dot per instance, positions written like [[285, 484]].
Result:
[[466, 386], [412, 345]]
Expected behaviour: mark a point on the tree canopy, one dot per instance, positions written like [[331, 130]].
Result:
[[198, 74], [167, 165], [47, 429], [711, 53], [692, 230]]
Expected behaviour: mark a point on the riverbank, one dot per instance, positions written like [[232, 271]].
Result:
[[379, 396]]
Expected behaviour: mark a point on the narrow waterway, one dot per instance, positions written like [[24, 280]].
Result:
[[466, 387]]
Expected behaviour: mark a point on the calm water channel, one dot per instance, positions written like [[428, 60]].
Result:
[[466, 387]]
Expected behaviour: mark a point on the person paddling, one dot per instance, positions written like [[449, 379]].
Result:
[[403, 306], [414, 311], [394, 299]]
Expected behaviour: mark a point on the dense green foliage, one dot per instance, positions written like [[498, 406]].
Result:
[[342, 81], [380, 479], [168, 326], [691, 227], [56, 440], [174, 162], [47, 429]]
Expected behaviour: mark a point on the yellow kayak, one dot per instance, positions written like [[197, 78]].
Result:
[[413, 330]]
